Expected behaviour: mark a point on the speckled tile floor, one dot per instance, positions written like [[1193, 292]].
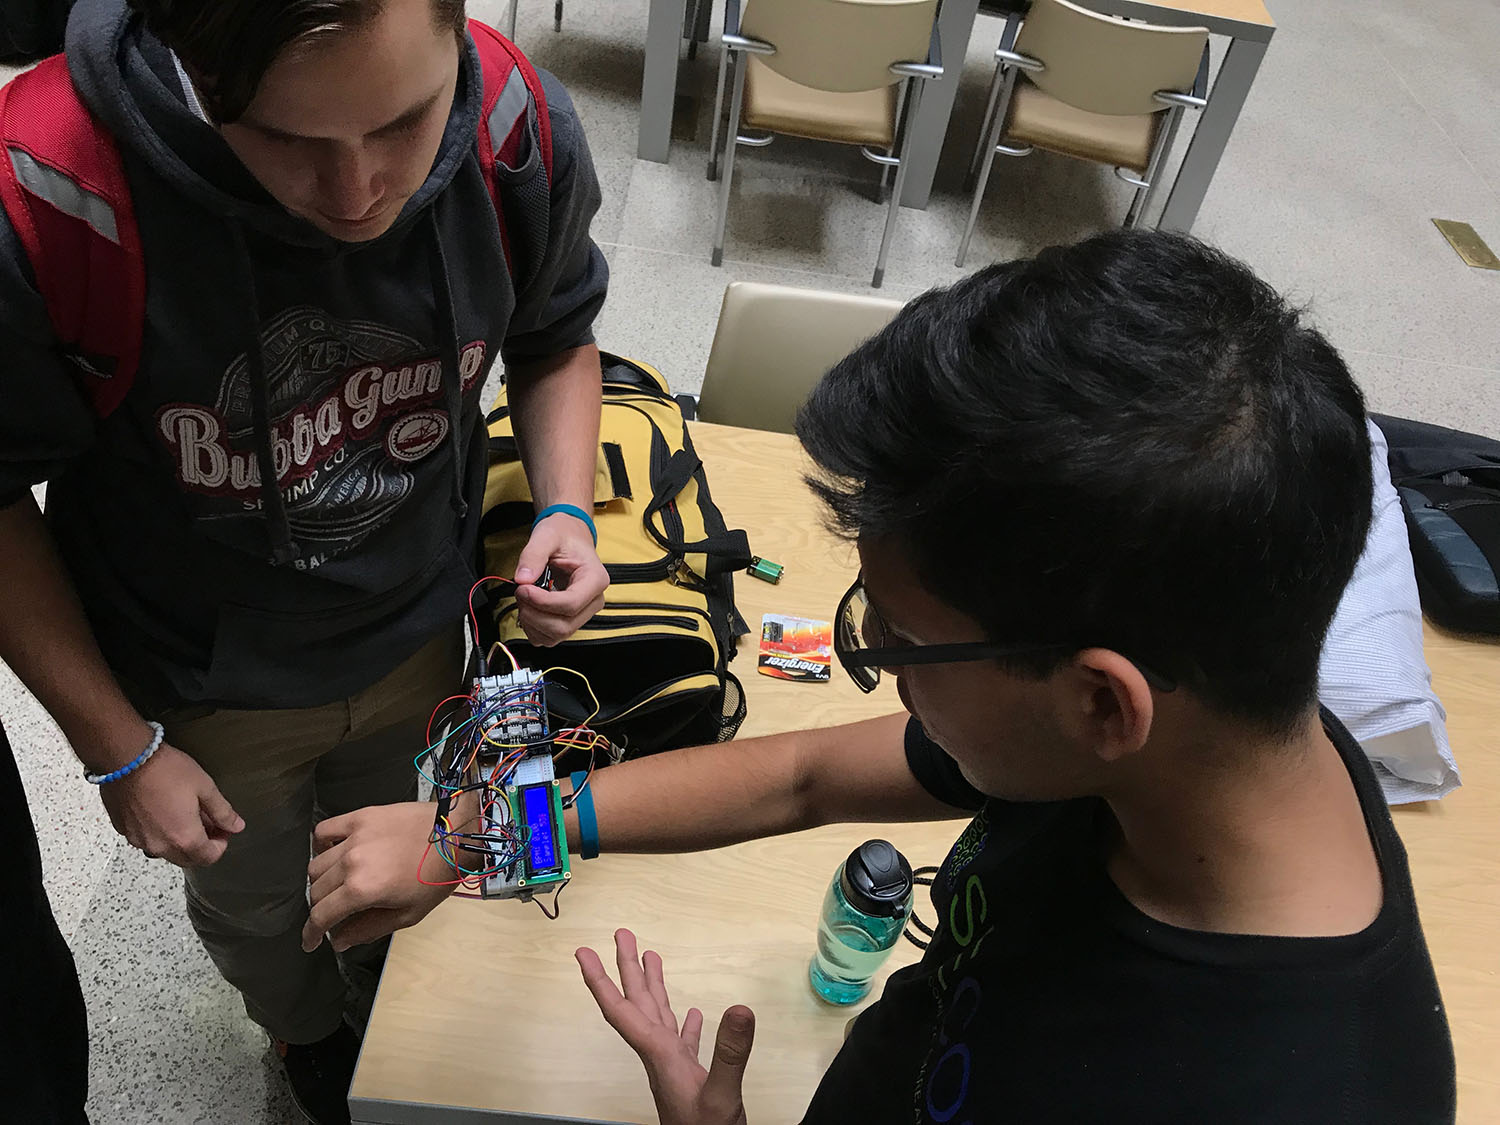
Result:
[[1369, 117]]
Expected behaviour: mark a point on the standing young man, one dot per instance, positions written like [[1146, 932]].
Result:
[[267, 547], [1106, 502]]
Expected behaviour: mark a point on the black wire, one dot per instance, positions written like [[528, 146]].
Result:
[[921, 877], [556, 910]]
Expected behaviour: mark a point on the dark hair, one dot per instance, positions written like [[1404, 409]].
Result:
[[228, 45], [1132, 442]]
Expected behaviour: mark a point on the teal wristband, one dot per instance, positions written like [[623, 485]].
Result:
[[568, 510], [588, 823]]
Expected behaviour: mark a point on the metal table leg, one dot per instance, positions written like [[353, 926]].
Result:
[[930, 124], [659, 86], [1236, 75]]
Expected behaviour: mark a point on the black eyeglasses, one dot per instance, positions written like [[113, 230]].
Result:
[[860, 635]]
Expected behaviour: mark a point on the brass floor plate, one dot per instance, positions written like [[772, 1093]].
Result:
[[1471, 248]]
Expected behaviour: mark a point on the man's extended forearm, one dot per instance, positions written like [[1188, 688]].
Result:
[[555, 406], [46, 640], [711, 796]]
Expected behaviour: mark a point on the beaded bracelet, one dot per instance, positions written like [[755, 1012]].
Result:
[[157, 734]]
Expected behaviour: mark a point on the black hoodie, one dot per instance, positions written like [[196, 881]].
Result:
[[354, 369]]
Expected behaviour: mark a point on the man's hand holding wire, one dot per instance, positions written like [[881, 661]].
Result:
[[579, 580]]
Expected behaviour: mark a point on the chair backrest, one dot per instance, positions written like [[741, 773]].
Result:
[[840, 45], [773, 343], [1107, 65]]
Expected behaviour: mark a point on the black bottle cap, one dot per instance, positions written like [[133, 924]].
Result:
[[876, 879]]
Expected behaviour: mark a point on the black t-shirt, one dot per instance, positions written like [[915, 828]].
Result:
[[1046, 996]]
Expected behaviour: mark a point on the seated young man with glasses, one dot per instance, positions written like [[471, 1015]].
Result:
[[1106, 502]]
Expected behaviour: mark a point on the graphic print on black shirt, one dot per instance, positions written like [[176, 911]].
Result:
[[1046, 996], [958, 996], [353, 404], [195, 593]]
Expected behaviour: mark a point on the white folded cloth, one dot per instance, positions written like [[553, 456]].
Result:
[[1373, 675]]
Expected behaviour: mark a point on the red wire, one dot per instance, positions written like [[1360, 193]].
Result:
[[438, 708], [481, 876], [474, 617], [421, 863]]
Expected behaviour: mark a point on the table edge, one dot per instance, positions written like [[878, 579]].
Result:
[[1252, 30], [387, 1111]]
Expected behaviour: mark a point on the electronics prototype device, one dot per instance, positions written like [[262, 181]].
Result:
[[499, 819], [521, 795]]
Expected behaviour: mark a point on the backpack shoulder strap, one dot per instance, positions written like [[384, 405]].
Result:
[[511, 87], [63, 188]]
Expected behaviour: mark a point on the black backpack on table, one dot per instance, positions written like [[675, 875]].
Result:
[[1449, 483]]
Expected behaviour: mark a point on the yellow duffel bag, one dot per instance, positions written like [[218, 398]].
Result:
[[656, 654]]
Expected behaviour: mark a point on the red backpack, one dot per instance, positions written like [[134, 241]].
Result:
[[63, 187]]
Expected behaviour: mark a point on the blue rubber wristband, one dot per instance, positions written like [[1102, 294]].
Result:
[[157, 734], [568, 510], [588, 823]]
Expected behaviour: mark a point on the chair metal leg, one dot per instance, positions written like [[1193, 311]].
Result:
[[997, 82], [1010, 31], [510, 21], [1155, 168], [557, 15], [990, 142], [997, 85], [731, 141], [913, 105], [726, 60], [885, 169]]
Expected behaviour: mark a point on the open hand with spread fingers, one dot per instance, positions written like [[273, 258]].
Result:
[[685, 1093]]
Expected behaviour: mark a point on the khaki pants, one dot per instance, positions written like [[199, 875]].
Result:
[[283, 771]]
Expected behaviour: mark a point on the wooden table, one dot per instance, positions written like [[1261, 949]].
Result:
[[1246, 22], [482, 1017], [1454, 846]]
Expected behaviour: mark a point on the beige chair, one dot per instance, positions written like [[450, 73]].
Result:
[[773, 343], [829, 70], [1092, 86]]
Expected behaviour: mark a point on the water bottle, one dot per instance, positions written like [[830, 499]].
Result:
[[864, 912]]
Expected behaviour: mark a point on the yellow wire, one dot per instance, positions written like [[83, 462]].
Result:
[[588, 686]]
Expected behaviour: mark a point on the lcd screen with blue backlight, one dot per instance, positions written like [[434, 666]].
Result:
[[536, 809]]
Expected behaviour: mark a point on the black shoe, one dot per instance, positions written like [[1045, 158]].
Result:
[[320, 1074]]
